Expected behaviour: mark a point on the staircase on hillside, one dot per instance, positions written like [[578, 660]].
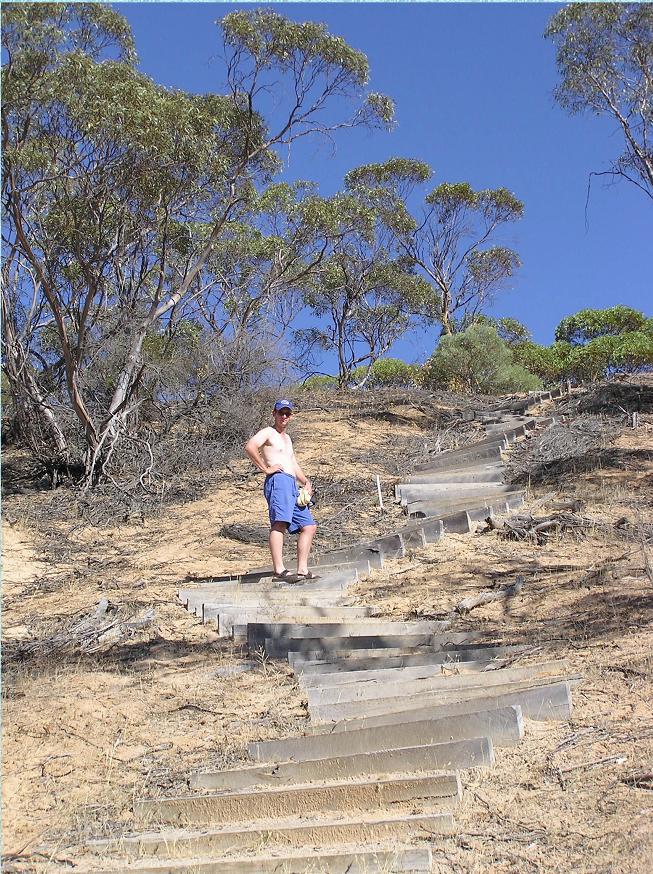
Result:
[[398, 710]]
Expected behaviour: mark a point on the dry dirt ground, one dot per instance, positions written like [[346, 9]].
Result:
[[85, 733]]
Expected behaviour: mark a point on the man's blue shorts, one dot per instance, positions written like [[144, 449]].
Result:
[[280, 490]]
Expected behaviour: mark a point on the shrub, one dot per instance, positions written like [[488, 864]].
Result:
[[478, 361], [387, 373], [321, 381]]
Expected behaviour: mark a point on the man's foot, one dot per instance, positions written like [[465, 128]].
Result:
[[307, 576], [285, 576]]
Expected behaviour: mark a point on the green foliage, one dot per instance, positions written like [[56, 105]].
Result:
[[387, 372], [182, 338], [477, 361], [498, 205], [550, 363], [274, 40], [453, 246], [490, 266], [589, 324], [321, 381], [627, 352], [596, 343], [391, 174], [510, 330], [148, 219], [604, 53], [592, 344], [52, 29]]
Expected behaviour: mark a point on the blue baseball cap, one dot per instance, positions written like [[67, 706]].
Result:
[[283, 404]]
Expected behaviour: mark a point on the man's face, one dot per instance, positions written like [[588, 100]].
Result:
[[282, 417]]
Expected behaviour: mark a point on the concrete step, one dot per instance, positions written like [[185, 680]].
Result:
[[265, 601], [208, 612], [481, 443], [227, 616], [471, 753], [400, 683], [441, 508], [440, 789], [443, 647], [452, 660], [281, 648], [332, 679], [504, 726], [454, 489], [450, 491], [329, 581], [349, 554], [544, 701], [255, 574], [432, 531], [362, 565], [362, 859], [385, 827], [263, 576], [258, 632], [390, 546], [452, 523], [465, 670], [481, 474], [283, 594], [510, 428], [471, 458]]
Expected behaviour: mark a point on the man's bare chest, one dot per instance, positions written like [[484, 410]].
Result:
[[280, 442]]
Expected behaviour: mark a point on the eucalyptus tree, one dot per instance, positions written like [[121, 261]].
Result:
[[365, 291], [592, 344], [454, 243], [450, 239], [119, 194], [604, 53]]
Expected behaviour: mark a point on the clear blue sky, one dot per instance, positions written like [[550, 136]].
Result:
[[472, 84]]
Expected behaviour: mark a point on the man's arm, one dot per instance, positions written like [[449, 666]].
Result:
[[253, 452]]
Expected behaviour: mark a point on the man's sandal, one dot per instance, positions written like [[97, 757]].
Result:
[[286, 576], [307, 576]]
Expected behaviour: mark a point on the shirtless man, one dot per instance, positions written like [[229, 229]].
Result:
[[271, 451]]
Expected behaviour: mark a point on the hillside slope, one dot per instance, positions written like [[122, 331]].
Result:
[[89, 727]]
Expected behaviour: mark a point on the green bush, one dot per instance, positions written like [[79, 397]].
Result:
[[550, 363], [321, 381], [478, 361], [388, 372]]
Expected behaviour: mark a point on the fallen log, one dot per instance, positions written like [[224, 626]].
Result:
[[488, 596]]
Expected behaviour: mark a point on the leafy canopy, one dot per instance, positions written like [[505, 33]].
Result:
[[588, 324], [604, 53]]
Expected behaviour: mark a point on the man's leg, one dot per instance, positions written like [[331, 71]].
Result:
[[275, 542], [304, 540]]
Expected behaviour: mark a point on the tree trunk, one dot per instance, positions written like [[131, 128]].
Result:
[[30, 402]]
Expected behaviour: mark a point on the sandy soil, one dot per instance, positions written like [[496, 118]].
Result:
[[86, 734]]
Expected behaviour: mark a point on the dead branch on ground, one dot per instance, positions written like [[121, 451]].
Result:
[[540, 529], [506, 593], [102, 630]]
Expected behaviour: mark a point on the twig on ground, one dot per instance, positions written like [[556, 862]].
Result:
[[595, 763], [639, 779]]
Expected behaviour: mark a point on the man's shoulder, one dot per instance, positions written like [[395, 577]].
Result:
[[264, 433]]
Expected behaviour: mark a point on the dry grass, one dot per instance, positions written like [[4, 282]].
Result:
[[84, 736]]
